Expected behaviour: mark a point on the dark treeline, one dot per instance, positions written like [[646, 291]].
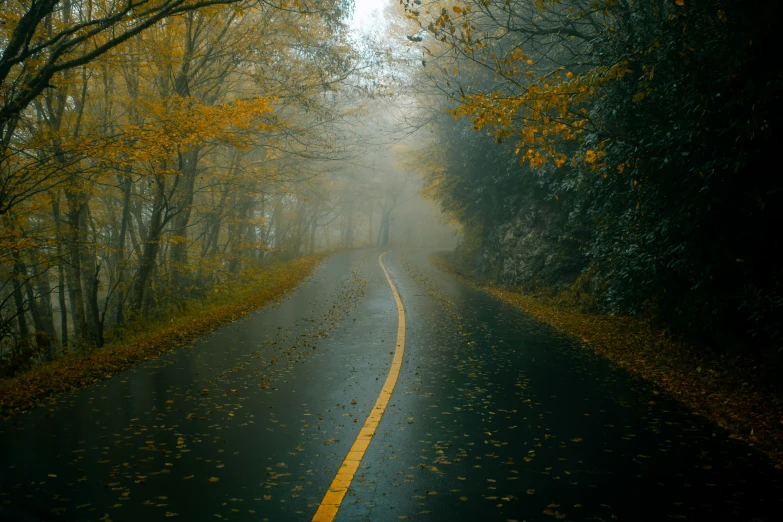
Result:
[[626, 153]]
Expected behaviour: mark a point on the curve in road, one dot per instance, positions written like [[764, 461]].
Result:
[[334, 496]]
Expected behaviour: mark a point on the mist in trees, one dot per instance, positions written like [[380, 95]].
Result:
[[622, 152], [153, 152], [149, 160]]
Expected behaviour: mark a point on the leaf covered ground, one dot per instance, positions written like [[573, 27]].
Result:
[[723, 389], [80, 369]]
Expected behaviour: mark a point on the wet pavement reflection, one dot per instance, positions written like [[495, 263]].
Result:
[[495, 417]]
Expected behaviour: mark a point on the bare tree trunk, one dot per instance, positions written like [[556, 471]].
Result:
[[61, 301], [44, 304], [28, 288], [42, 319], [313, 227], [120, 311], [238, 234], [277, 218], [151, 246], [184, 203], [42, 333], [383, 233], [24, 332], [264, 233], [90, 271], [299, 229], [60, 272], [74, 267]]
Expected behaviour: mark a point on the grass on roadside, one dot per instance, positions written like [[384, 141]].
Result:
[[723, 389], [80, 369]]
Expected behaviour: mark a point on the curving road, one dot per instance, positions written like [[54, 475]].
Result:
[[491, 416]]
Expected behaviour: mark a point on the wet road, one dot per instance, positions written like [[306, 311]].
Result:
[[493, 417]]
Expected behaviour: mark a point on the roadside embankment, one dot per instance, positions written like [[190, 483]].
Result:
[[723, 389], [82, 368]]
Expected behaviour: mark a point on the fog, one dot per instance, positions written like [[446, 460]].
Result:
[[380, 201], [202, 149], [544, 233]]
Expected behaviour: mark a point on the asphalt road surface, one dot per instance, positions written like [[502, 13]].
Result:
[[493, 416]]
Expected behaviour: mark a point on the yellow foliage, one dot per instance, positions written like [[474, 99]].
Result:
[[552, 112]]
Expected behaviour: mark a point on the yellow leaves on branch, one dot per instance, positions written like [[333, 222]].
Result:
[[548, 113], [592, 158], [542, 5], [180, 124]]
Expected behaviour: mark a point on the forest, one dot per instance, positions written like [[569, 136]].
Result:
[[619, 154], [391, 259], [157, 153]]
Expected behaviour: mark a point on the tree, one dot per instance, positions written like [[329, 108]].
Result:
[[166, 165], [631, 125], [44, 39]]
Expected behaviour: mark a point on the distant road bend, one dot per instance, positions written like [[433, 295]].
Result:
[[380, 390]]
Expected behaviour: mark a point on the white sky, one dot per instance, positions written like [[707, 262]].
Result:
[[368, 14]]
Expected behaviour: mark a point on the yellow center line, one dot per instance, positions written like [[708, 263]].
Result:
[[339, 487]]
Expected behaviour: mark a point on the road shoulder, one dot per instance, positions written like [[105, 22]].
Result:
[[76, 370], [730, 398]]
